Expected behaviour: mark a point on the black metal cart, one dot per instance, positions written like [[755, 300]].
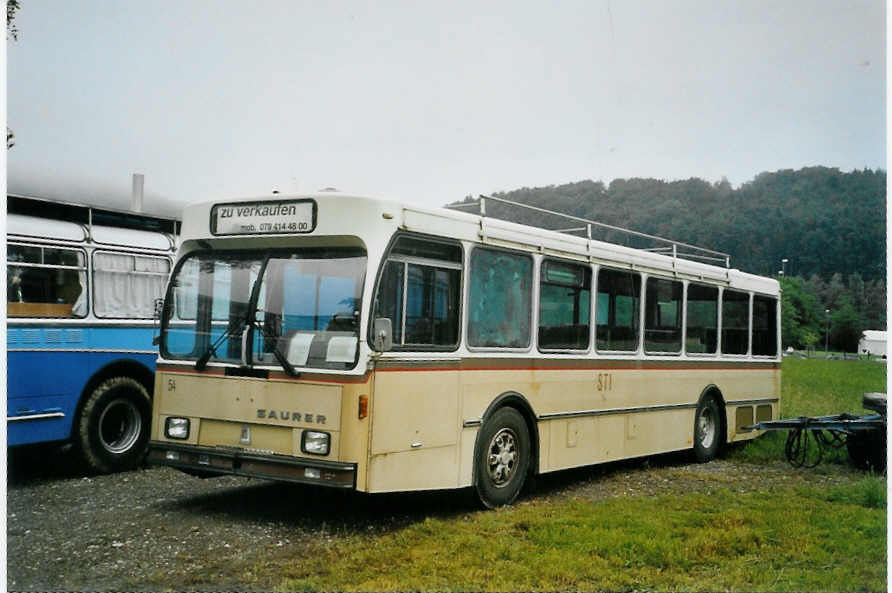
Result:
[[864, 436]]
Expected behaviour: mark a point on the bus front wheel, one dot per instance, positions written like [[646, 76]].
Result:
[[503, 458], [113, 429], [707, 430]]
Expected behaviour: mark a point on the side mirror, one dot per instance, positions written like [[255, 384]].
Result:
[[382, 338]]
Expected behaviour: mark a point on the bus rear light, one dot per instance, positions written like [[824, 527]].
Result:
[[363, 406]]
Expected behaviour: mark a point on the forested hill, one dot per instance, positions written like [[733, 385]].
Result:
[[822, 220]]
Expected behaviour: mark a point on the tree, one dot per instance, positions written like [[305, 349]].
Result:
[[809, 338], [800, 311], [846, 326]]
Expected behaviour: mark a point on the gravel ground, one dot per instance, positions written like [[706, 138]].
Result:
[[157, 528]]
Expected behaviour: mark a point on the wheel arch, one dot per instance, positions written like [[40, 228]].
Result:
[[123, 367], [513, 399]]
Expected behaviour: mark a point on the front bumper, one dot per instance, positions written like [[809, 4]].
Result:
[[240, 463]]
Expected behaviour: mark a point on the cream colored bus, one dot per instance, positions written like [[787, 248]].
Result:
[[368, 344]]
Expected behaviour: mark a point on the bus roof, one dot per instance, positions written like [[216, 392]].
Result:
[[35, 218], [375, 220], [88, 214]]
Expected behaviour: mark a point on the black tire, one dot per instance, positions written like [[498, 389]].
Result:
[[502, 458], [112, 432], [709, 431], [867, 450]]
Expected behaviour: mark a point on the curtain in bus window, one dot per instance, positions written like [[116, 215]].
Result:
[[126, 286], [703, 319], [499, 307], [735, 322], [617, 310], [662, 316], [48, 282], [764, 326]]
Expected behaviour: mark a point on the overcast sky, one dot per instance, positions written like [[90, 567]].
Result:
[[432, 101]]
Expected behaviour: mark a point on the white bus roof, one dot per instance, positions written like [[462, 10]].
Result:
[[131, 238], [375, 220], [33, 227], [44, 228]]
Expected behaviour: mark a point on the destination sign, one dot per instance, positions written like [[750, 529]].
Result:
[[262, 218]]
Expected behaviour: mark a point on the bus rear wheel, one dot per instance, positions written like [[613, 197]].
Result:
[[113, 428], [503, 458], [708, 433]]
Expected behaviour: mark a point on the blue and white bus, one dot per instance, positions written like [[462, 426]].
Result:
[[81, 286]]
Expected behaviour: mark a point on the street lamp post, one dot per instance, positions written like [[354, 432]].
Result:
[[784, 266], [827, 333]]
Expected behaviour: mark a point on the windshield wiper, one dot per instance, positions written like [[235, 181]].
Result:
[[289, 368], [202, 362]]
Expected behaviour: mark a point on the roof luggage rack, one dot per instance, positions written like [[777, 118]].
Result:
[[646, 242]]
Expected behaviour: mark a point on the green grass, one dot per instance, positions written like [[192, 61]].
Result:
[[800, 539], [814, 387], [797, 539], [817, 387]]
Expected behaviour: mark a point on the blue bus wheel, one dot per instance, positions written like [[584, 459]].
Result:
[[113, 428]]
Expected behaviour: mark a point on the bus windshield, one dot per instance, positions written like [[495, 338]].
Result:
[[302, 305]]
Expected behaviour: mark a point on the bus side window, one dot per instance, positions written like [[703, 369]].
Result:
[[703, 319], [564, 301], [432, 305], [764, 326], [500, 300], [420, 292], [126, 286], [735, 322], [619, 299], [662, 316], [45, 282]]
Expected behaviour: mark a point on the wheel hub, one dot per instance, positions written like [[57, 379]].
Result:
[[502, 458], [119, 426], [707, 428]]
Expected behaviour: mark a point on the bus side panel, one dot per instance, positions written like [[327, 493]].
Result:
[[354, 446], [415, 429], [747, 385], [43, 383], [479, 388], [136, 339], [49, 382], [615, 422]]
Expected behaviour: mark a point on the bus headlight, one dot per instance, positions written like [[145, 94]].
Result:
[[176, 428], [314, 442]]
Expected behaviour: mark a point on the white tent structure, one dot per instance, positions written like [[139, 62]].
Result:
[[872, 342]]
